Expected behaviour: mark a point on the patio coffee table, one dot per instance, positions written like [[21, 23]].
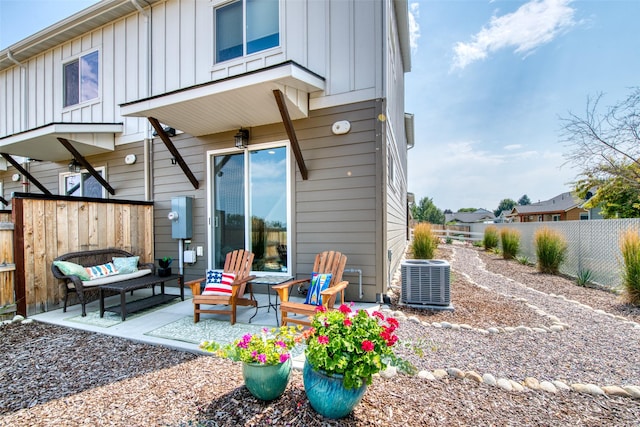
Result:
[[139, 283], [270, 281]]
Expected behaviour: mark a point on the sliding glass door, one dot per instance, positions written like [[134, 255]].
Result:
[[249, 206]]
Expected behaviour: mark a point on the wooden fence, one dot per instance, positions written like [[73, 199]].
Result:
[[46, 227], [7, 266]]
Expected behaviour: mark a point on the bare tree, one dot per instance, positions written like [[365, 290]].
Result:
[[605, 148], [606, 145]]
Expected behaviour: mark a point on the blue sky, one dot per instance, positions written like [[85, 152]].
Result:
[[489, 81]]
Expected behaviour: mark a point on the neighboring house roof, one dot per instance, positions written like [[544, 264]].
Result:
[[560, 203], [479, 215]]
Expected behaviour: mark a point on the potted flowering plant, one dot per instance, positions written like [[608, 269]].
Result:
[[345, 348], [265, 357]]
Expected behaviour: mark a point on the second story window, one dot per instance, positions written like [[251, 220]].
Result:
[[244, 27], [81, 79]]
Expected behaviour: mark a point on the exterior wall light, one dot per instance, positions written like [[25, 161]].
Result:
[[242, 138], [74, 166]]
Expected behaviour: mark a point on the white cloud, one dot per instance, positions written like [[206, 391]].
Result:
[[512, 147], [534, 24], [414, 27]]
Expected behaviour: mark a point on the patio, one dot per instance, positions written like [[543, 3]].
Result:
[[170, 324]]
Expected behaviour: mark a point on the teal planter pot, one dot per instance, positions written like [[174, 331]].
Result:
[[327, 395], [266, 382]]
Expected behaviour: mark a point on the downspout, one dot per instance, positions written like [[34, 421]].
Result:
[[148, 139], [25, 99]]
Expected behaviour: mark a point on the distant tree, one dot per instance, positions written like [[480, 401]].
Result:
[[505, 205], [605, 148], [448, 211], [524, 200], [614, 196], [467, 210], [426, 211]]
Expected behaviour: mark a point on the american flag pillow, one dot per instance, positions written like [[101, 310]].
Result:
[[218, 283]]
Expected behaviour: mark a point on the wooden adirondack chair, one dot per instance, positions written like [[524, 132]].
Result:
[[326, 262], [238, 262]]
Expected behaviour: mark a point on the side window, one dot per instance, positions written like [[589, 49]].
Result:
[[244, 27], [82, 184], [81, 79]]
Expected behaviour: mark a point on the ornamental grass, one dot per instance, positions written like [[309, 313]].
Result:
[[510, 242], [491, 237], [425, 242], [551, 250], [630, 249]]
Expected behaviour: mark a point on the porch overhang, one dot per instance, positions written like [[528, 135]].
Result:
[[42, 143], [223, 105]]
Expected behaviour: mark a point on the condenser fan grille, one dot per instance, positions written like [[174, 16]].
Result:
[[426, 282]]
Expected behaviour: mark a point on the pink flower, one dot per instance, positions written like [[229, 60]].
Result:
[[321, 309], [393, 322], [367, 345], [281, 344], [323, 339], [262, 358], [347, 322], [284, 357], [345, 309], [378, 315]]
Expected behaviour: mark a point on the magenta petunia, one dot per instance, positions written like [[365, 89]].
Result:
[[323, 339], [367, 345]]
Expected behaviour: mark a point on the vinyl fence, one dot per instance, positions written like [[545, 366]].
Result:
[[593, 245]]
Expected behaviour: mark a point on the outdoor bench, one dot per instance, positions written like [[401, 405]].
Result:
[[95, 258]]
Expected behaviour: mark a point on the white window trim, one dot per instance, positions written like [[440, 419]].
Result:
[[216, 66], [77, 57], [210, 197], [61, 181]]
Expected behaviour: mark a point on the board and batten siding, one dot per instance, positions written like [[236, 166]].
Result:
[[338, 39]]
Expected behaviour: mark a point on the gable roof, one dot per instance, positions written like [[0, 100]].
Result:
[[69, 28], [560, 203], [479, 215]]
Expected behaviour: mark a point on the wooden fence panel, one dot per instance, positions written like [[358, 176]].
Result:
[[7, 268], [52, 226]]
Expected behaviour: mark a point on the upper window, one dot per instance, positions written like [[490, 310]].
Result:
[[81, 79], [244, 27]]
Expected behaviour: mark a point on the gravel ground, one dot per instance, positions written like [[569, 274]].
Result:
[[64, 377]]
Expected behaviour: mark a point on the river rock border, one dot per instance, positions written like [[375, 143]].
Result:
[[529, 383]]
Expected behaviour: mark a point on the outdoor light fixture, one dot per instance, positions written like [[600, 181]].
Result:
[[242, 138], [74, 166], [168, 130]]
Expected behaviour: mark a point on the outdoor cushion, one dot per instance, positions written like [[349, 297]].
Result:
[[218, 283], [72, 269], [126, 265], [113, 278], [102, 270], [319, 283]]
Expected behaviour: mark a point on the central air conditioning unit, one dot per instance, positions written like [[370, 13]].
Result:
[[425, 283]]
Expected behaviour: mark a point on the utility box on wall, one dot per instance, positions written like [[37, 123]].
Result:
[[181, 217]]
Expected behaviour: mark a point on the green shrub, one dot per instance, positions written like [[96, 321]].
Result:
[[425, 241], [551, 250], [491, 237], [630, 249], [510, 242], [448, 240], [523, 259]]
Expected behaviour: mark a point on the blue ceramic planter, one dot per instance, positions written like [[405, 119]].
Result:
[[266, 382], [327, 395]]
